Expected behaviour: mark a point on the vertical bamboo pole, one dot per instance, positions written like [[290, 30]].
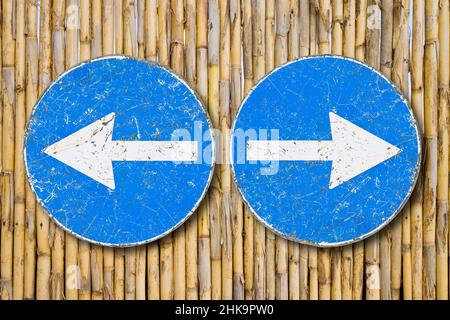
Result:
[[206, 64], [336, 48], [177, 57], [303, 51], [281, 56], [151, 30], [141, 28], [312, 251], [72, 25], [372, 264], [348, 51], [236, 97], [442, 183], [258, 48], [8, 44], [191, 224], [406, 221], [108, 48], [396, 225], [225, 174], [358, 248], [31, 97], [214, 202], [141, 269], [386, 67], [42, 219], [84, 247], [431, 148], [270, 272], [119, 253], [96, 262], [324, 262], [19, 168], [130, 48], [417, 105], [166, 244], [248, 83], [293, 248], [56, 234]]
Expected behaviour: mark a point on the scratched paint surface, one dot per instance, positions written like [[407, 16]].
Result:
[[294, 198], [150, 198]]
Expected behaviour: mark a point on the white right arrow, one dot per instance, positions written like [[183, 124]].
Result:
[[352, 150]]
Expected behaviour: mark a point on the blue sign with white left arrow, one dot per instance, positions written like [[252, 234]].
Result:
[[119, 151]]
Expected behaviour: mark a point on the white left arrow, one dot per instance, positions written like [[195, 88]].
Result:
[[91, 150]]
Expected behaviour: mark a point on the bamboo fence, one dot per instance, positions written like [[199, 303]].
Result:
[[222, 48]]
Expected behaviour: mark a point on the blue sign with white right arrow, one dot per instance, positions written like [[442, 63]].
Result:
[[325, 151]]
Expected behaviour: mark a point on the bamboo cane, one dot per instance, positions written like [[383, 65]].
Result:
[[84, 247], [247, 46], [358, 248], [42, 219], [96, 257], [303, 52], [406, 222], [118, 29], [141, 32], [119, 253], [56, 234], [372, 265], [281, 56], [402, 223], [166, 244], [417, 105], [348, 49], [214, 110], [32, 80], [258, 52], [304, 29], [293, 248], [71, 245], [400, 70], [336, 48], [108, 48], [312, 251], [324, 262], [270, 273], [130, 48], [386, 67], [19, 168], [205, 63], [150, 35], [141, 269], [8, 44], [225, 173], [177, 57], [236, 97], [191, 224], [442, 183], [431, 148]]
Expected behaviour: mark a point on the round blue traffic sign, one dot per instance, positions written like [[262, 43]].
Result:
[[119, 151], [325, 151]]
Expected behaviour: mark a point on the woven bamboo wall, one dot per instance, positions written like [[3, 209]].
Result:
[[222, 47]]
